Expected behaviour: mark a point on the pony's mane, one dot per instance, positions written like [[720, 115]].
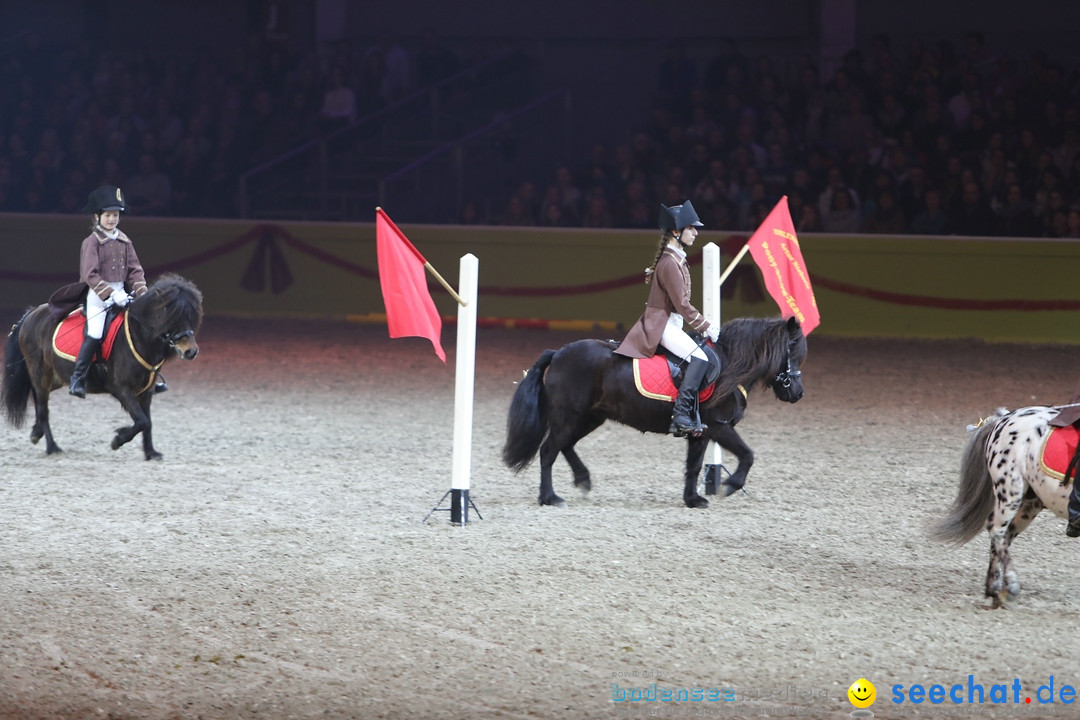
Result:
[[177, 303], [755, 349]]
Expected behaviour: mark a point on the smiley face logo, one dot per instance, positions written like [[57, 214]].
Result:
[[862, 693]]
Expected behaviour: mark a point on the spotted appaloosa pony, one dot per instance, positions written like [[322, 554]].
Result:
[[1003, 486]]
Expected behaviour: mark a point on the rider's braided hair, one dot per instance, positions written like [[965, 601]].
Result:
[[665, 237]]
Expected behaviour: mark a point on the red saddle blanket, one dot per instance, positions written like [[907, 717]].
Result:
[[1058, 450], [68, 336], [652, 377]]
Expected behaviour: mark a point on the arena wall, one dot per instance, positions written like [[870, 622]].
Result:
[[993, 289]]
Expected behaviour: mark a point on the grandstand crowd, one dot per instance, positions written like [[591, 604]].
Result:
[[948, 137]]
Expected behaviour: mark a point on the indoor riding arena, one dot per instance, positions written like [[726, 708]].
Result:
[[293, 555], [276, 562]]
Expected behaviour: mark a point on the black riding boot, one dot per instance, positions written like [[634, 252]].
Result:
[[82, 366], [684, 418], [1073, 528]]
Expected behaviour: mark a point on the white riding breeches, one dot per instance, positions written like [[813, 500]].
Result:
[[95, 312], [678, 342]]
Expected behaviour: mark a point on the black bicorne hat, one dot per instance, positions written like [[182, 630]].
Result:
[[105, 198], [677, 217]]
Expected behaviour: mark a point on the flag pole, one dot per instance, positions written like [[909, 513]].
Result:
[[464, 381], [710, 308], [428, 266], [734, 261]]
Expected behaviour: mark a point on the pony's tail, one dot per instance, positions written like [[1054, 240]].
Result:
[[526, 423], [16, 387], [975, 497]]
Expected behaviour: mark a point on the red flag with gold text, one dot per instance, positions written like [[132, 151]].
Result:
[[410, 311], [776, 251]]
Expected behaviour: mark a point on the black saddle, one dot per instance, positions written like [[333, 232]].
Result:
[[677, 365]]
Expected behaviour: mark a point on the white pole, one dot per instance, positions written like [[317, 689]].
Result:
[[710, 308], [465, 373]]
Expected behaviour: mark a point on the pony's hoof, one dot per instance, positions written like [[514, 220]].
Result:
[[116, 443], [553, 501], [729, 488], [35, 436], [155, 455], [583, 485], [697, 502]]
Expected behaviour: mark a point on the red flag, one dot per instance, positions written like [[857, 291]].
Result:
[[776, 251], [410, 311]]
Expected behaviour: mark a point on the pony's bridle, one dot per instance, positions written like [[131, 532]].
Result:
[[784, 377], [172, 339]]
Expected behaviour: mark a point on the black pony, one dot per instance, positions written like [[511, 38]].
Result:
[[157, 325], [570, 392]]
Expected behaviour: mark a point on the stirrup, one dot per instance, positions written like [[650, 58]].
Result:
[[691, 430], [160, 387]]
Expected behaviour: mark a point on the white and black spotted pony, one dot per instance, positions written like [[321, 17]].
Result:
[[1004, 484]]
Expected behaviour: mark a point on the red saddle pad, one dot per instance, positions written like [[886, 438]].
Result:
[[652, 377], [68, 336], [1058, 450]]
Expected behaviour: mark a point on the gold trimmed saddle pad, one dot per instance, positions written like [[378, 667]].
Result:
[[652, 377], [68, 336], [1058, 450]]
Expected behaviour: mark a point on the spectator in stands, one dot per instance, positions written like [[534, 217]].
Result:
[[517, 213], [836, 183], [886, 218], [1015, 216], [396, 76], [842, 215], [1072, 222], [1053, 214], [597, 212], [972, 216], [339, 107], [931, 219], [149, 191], [470, 214], [570, 195], [553, 215], [809, 220]]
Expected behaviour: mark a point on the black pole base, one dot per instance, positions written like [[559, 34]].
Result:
[[714, 478], [460, 502]]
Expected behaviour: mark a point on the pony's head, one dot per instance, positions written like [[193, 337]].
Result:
[[172, 309], [787, 383], [765, 351]]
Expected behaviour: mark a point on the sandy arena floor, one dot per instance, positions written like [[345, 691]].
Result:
[[275, 563]]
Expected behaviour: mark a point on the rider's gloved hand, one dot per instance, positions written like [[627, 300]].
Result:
[[120, 298], [713, 333]]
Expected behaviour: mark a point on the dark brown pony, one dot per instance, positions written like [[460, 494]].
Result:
[[160, 323], [570, 392]]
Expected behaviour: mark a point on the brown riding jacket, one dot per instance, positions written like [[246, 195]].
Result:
[[669, 293], [106, 260], [101, 260]]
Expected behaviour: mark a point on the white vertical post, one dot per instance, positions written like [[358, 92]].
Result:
[[465, 373], [710, 308]]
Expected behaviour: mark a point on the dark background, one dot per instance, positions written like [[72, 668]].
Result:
[[551, 81]]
